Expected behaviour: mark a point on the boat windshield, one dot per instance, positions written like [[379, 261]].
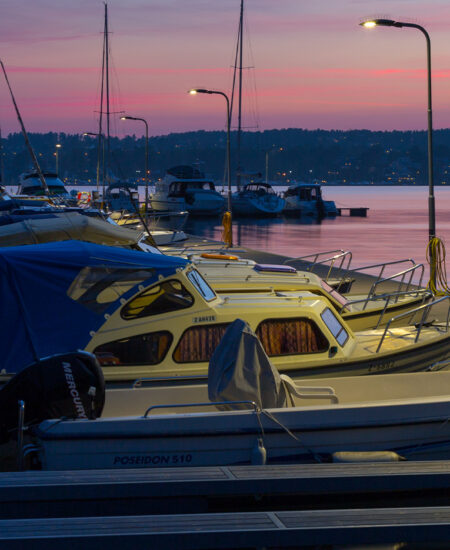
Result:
[[201, 285], [206, 185], [98, 287], [334, 326], [259, 188]]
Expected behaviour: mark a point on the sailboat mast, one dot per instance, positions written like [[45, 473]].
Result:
[[25, 135], [107, 94], [239, 129]]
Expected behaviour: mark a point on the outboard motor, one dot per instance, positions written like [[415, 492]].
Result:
[[69, 385], [239, 370]]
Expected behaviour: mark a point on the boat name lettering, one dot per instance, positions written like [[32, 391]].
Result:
[[73, 390], [379, 367], [130, 460], [204, 319]]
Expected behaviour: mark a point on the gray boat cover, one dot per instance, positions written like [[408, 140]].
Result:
[[239, 370], [65, 227]]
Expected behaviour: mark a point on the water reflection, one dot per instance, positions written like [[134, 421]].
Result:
[[396, 226]]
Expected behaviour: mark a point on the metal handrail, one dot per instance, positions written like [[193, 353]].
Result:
[[252, 404], [384, 265], [387, 297], [426, 310], [411, 271], [339, 254], [138, 382]]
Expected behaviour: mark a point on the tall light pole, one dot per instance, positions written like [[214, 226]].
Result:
[[267, 160], [146, 160], [57, 148], [431, 203], [202, 91]]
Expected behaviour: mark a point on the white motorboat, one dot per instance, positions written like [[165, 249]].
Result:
[[30, 185], [306, 199], [404, 413], [257, 199], [186, 188]]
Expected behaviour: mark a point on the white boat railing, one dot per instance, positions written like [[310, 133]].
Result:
[[404, 279], [339, 261], [426, 294], [423, 321], [251, 405]]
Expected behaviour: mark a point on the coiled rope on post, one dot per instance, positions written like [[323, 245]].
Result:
[[227, 233], [438, 273]]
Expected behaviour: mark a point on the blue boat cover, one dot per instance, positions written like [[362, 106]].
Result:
[[49, 294]]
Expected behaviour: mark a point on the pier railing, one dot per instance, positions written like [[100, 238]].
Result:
[[425, 309]]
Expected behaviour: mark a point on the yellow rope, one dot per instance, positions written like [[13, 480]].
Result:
[[227, 234], [438, 274]]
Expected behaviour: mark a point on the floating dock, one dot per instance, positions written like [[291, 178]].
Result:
[[360, 211]]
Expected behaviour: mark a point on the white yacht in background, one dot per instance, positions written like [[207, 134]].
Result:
[[257, 199], [30, 184], [186, 188], [306, 199]]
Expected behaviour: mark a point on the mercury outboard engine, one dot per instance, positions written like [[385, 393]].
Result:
[[68, 385]]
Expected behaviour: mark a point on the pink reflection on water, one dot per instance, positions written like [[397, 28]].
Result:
[[396, 227]]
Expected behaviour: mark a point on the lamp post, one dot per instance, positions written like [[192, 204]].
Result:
[[267, 160], [57, 148], [146, 160], [202, 91], [431, 203]]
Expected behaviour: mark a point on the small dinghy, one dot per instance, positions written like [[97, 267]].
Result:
[[259, 416]]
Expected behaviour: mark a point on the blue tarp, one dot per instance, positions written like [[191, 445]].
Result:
[[38, 318]]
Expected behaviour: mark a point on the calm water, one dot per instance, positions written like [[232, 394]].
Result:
[[396, 226]]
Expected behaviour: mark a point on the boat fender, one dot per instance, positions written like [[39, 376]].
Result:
[[367, 456], [259, 453]]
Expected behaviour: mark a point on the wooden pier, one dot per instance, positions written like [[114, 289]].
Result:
[[231, 530]]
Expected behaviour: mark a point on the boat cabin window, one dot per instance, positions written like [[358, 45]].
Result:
[[143, 349], [98, 287], [201, 285], [197, 344], [161, 298], [334, 326], [206, 185], [291, 336]]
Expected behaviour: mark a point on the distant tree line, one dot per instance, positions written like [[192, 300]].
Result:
[[329, 157]]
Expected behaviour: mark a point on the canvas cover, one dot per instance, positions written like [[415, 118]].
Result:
[[64, 227], [239, 370], [39, 318]]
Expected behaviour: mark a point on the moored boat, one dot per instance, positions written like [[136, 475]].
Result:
[[150, 315], [185, 188], [306, 199], [257, 199]]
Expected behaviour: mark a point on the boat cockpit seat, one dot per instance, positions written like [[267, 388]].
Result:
[[65, 385], [306, 392]]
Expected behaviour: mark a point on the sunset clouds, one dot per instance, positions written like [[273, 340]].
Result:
[[314, 66]]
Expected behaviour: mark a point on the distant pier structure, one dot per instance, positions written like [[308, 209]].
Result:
[[360, 211]]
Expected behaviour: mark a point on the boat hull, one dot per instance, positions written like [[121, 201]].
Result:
[[414, 427]]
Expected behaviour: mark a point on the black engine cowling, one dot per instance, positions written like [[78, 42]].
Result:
[[69, 385]]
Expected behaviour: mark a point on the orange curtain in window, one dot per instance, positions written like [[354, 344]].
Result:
[[289, 336], [198, 343]]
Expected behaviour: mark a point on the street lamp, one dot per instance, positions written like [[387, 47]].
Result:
[[146, 161], [268, 151], [58, 147], [202, 91], [399, 24]]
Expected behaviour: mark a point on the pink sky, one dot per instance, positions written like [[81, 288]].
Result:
[[314, 66]]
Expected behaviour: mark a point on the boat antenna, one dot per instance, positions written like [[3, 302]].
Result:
[[25, 135]]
